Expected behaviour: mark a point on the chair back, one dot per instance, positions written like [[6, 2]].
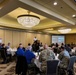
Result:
[[71, 62], [52, 67], [21, 64]]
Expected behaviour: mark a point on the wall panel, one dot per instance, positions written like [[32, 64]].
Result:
[[38, 36], [23, 38], [2, 32], [42, 38], [8, 37], [33, 36], [70, 38], [29, 38], [47, 39], [16, 38]]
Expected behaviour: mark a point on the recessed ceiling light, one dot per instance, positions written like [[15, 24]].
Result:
[[73, 15], [55, 3], [67, 30]]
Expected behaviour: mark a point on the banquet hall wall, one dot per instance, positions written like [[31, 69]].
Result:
[[70, 38], [17, 36]]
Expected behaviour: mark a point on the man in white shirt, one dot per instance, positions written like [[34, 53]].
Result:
[[29, 47], [35, 39]]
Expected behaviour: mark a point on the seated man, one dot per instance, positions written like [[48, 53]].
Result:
[[21, 47], [29, 46], [64, 58], [21, 64], [29, 56], [4, 54], [30, 60], [8, 47], [46, 54], [20, 50]]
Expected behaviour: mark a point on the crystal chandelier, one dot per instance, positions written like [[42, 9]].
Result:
[[63, 31], [28, 20]]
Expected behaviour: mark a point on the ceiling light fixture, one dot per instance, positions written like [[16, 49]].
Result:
[[55, 3], [28, 20], [74, 16], [64, 31]]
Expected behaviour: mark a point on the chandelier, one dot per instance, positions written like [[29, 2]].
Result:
[[28, 20], [63, 31]]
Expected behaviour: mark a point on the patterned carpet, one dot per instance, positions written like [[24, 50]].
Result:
[[7, 69]]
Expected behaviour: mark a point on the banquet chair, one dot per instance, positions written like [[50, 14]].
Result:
[[71, 64], [31, 68], [21, 65], [52, 67], [69, 69]]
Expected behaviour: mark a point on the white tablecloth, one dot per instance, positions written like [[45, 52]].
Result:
[[38, 64], [56, 56], [11, 51], [36, 61]]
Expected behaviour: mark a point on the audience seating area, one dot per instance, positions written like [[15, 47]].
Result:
[[39, 59]]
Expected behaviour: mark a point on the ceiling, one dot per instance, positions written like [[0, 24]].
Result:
[[51, 17]]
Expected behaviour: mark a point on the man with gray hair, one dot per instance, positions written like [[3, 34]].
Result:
[[45, 55]]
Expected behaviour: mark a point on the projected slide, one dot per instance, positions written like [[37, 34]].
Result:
[[58, 39]]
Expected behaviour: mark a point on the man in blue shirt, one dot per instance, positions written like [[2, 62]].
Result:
[[29, 56], [20, 51], [21, 64]]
